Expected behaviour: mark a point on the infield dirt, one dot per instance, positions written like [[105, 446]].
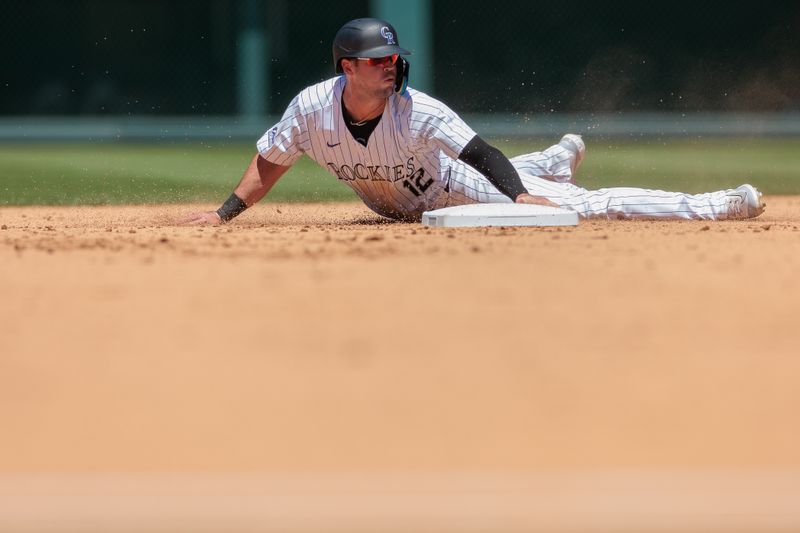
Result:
[[319, 337]]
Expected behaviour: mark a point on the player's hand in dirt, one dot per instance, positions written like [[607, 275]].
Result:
[[202, 218], [531, 199]]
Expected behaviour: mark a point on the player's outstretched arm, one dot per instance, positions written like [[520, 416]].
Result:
[[256, 182], [493, 164]]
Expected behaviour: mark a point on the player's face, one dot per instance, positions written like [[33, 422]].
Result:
[[374, 76]]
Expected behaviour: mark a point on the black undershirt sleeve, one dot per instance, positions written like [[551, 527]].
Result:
[[491, 162]]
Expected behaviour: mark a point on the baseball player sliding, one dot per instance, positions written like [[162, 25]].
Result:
[[404, 152]]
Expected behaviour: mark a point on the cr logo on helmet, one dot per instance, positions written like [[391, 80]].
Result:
[[388, 35]]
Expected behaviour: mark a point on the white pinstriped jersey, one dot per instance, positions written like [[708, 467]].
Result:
[[404, 168]]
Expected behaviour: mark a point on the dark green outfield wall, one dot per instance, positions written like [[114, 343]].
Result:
[[167, 57]]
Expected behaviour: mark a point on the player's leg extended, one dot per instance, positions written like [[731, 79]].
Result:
[[634, 203], [466, 185], [630, 202], [557, 163]]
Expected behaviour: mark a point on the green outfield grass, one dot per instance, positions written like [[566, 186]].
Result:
[[121, 173]]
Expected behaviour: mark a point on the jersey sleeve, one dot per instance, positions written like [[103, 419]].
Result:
[[443, 128], [286, 141]]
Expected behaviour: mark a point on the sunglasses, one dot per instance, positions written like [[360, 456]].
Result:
[[380, 61]]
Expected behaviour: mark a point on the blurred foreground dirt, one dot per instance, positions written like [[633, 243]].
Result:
[[318, 338]]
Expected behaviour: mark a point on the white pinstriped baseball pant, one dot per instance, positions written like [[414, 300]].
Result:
[[548, 173]]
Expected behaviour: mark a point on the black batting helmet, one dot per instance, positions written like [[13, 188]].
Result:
[[367, 37]]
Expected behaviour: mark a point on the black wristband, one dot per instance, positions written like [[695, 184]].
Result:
[[232, 207]]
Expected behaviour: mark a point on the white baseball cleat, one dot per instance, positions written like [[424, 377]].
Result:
[[574, 144], [745, 202]]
